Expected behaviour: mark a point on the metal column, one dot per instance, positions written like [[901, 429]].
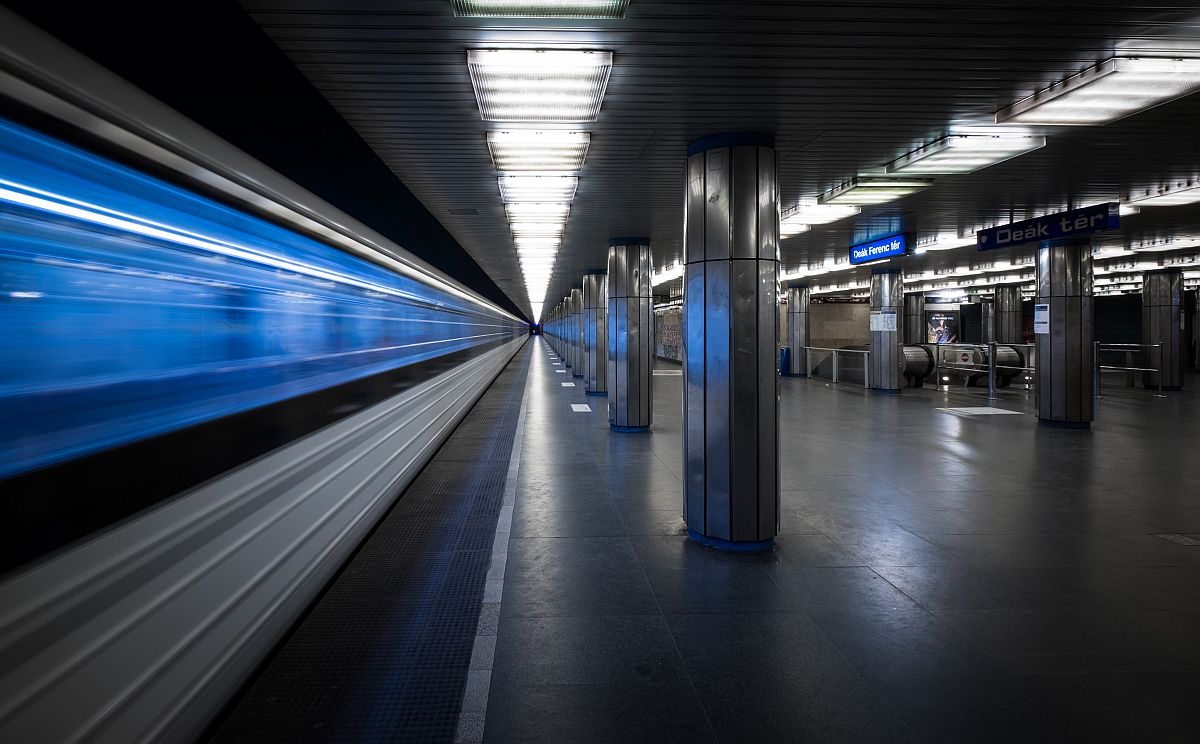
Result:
[[575, 329], [799, 297], [1162, 311], [1006, 305], [730, 319], [887, 352], [914, 318], [630, 334], [1064, 355], [987, 317], [595, 333], [564, 337]]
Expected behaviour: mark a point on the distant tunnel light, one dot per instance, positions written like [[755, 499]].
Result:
[[869, 190], [528, 151], [1170, 196], [549, 85], [1107, 91], [541, 8], [538, 188], [963, 153]]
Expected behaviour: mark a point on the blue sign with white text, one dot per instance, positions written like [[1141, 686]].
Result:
[[877, 249], [1068, 224]]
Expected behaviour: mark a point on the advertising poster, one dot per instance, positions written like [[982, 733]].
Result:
[[941, 327]]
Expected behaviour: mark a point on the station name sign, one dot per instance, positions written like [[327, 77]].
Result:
[[877, 249], [1068, 224]]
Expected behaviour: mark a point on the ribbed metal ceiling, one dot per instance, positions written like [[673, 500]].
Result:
[[845, 87]]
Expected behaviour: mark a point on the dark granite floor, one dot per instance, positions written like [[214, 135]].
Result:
[[939, 577]]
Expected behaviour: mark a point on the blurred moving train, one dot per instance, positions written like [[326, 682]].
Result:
[[213, 385], [132, 308]]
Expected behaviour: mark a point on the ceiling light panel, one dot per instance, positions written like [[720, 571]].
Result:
[[532, 151], [537, 211], [866, 191], [532, 85], [811, 213], [1170, 196], [963, 153], [790, 226], [536, 229], [541, 8], [1110, 90], [538, 188]]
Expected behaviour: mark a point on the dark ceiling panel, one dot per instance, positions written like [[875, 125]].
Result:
[[844, 86]]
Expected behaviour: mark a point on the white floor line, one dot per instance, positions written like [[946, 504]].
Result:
[[473, 714]]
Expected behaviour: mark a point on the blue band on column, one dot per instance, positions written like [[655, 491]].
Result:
[[756, 546], [886, 391], [629, 241], [615, 427], [596, 392], [731, 139], [887, 270]]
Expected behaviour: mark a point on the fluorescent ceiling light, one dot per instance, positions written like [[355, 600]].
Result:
[[789, 227], [537, 211], [538, 188], [526, 151], [870, 190], [963, 153], [539, 85], [1155, 245], [944, 242], [668, 274], [811, 213], [1107, 91], [536, 229], [1127, 209], [541, 8], [1187, 192]]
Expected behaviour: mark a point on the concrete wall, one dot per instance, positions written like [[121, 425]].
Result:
[[837, 325]]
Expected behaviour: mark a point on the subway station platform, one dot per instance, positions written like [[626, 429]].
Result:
[[940, 575]]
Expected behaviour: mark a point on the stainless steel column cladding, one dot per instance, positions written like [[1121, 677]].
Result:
[[1010, 325], [914, 318], [630, 334], [565, 337], [1162, 311], [887, 357], [799, 297], [730, 319], [987, 317], [575, 331], [595, 333], [1064, 355]]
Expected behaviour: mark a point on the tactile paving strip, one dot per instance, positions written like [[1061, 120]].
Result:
[[383, 655]]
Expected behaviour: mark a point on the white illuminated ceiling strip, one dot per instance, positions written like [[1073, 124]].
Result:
[[532, 151], [541, 8], [871, 190], [539, 85], [963, 153], [811, 213], [944, 242], [790, 227], [538, 188], [1107, 91], [537, 211], [668, 274], [536, 229], [1169, 196]]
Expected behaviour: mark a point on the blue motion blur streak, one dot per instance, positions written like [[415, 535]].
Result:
[[130, 308]]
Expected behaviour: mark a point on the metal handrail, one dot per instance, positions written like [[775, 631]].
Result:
[[1100, 347], [808, 350]]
